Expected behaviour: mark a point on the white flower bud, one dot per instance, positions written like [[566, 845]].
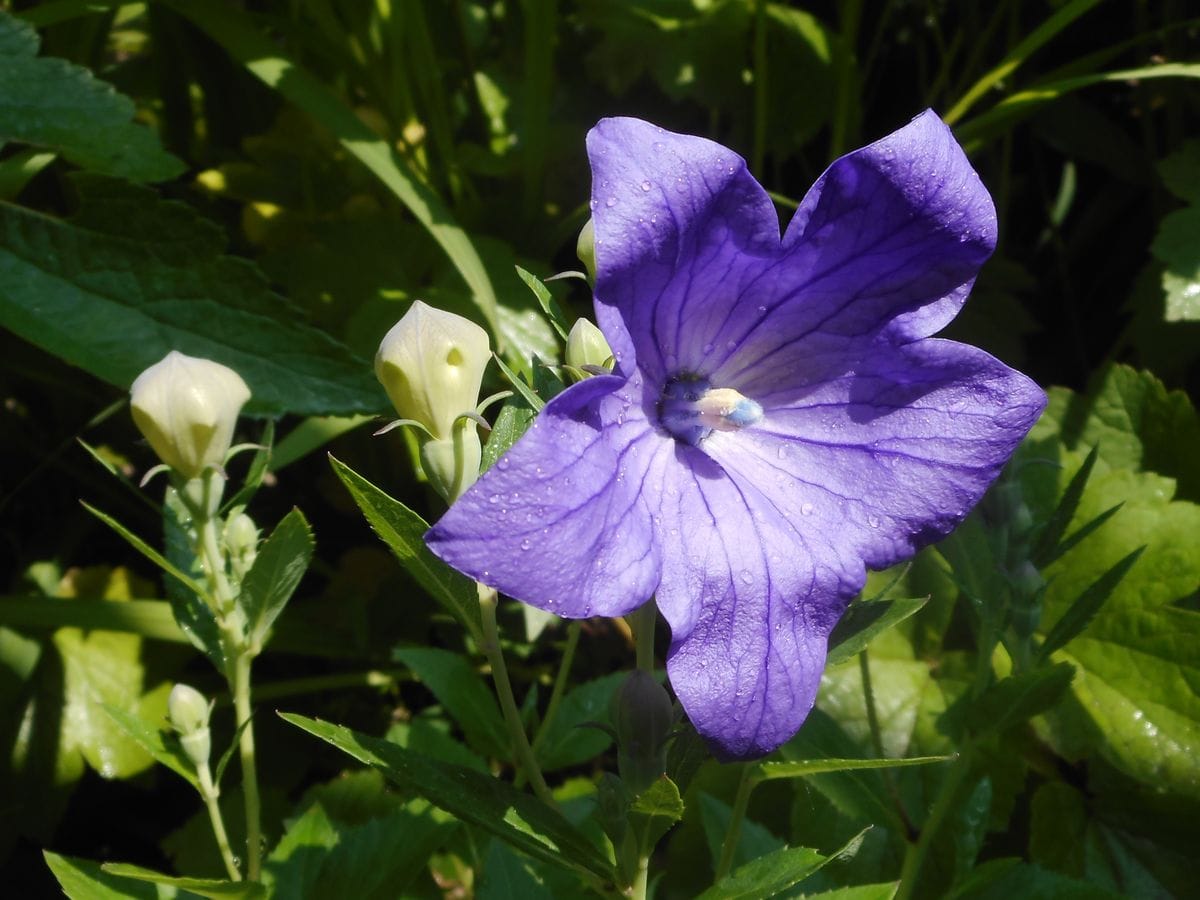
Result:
[[586, 346], [585, 248], [431, 365], [241, 542], [187, 408], [188, 711]]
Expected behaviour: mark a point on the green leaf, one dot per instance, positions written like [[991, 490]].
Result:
[[883, 891], [754, 841], [254, 49], [293, 865], [478, 799], [403, 531], [311, 434], [1014, 700], [802, 768], [512, 422], [62, 107], [1086, 606], [82, 879], [257, 471], [147, 551], [1056, 526], [545, 301], [654, 811], [156, 742], [863, 621], [146, 618], [568, 741], [463, 693], [1176, 246], [524, 391], [775, 872], [508, 876], [217, 889], [281, 562], [1003, 879]]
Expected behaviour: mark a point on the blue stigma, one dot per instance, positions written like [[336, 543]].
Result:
[[691, 409]]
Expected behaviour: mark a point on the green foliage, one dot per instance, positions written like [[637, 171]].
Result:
[[281, 562]]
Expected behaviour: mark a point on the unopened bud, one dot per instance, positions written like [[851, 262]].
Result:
[[585, 248], [587, 346], [642, 717], [452, 465], [189, 710], [431, 365], [241, 542], [187, 408]]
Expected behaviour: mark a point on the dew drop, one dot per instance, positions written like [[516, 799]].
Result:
[[731, 345], [495, 498], [610, 202], [591, 204], [708, 348], [503, 462], [747, 577], [525, 544], [645, 185], [873, 521], [762, 309], [806, 509], [781, 451]]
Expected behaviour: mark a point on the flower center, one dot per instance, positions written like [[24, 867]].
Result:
[[690, 409]]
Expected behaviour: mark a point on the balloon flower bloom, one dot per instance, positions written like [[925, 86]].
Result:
[[778, 420]]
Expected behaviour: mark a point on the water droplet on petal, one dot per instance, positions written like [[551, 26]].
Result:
[[525, 545], [503, 462], [645, 185], [806, 509], [873, 521], [762, 309], [495, 498], [610, 202], [781, 451], [747, 576]]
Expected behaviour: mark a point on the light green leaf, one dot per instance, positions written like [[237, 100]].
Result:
[[247, 44], [82, 879], [214, 888], [130, 277], [774, 872], [281, 562], [464, 695], [155, 742], [63, 107], [1177, 245], [403, 531], [883, 891], [654, 811], [478, 799], [802, 768], [511, 423], [863, 621], [545, 301]]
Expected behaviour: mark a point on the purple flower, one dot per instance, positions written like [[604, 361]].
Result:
[[778, 420]]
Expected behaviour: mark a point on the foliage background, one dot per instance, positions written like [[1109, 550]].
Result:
[[299, 170]]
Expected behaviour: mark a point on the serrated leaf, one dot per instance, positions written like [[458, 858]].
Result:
[[654, 811], [155, 742], [463, 694], [82, 879], [281, 562], [511, 423], [214, 888], [404, 532], [60, 106], [131, 277], [863, 621], [774, 872], [478, 799]]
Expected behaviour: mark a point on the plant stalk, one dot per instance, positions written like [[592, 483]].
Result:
[[642, 621], [241, 705], [733, 833], [210, 793]]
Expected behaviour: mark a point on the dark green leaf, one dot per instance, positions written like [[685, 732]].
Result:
[[568, 741], [258, 469], [508, 876], [1018, 698], [511, 423], [82, 879], [217, 889], [754, 841], [281, 562], [774, 872], [403, 531], [147, 551], [463, 694], [478, 799], [1003, 879], [60, 106], [863, 621], [654, 811]]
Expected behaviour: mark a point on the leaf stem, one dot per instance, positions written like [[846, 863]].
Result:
[[642, 880], [733, 833], [209, 792], [642, 621], [508, 704]]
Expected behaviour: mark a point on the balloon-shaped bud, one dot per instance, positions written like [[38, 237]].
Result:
[[642, 716], [587, 346], [187, 408], [431, 365], [241, 542], [585, 248], [189, 710]]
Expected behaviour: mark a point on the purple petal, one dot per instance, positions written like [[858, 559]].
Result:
[[559, 521], [891, 456], [750, 600], [679, 221], [887, 243]]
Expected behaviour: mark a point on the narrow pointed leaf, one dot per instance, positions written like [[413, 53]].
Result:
[[215, 888], [147, 551], [82, 879], [546, 300], [1060, 519], [800, 768], [281, 562], [464, 695], [863, 621], [1014, 700], [155, 742], [1080, 613]]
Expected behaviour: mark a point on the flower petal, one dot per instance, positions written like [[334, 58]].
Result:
[[559, 522], [886, 243], [678, 221], [750, 601], [889, 457]]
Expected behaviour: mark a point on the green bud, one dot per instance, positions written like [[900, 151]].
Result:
[[431, 365], [586, 346], [452, 465], [241, 542], [187, 408], [643, 717], [188, 711], [585, 248]]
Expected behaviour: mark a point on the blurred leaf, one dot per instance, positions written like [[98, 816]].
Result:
[[82, 879], [429, 737], [884, 891], [568, 741], [1177, 245], [508, 876], [63, 107], [404, 531], [1013, 700], [214, 888], [1181, 171], [282, 560], [754, 841], [1003, 879], [130, 277], [478, 799], [863, 621], [245, 42], [464, 695], [774, 872]]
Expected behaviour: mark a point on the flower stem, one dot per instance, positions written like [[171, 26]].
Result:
[[733, 833], [508, 704], [916, 854], [560, 682], [210, 793], [241, 705], [642, 622], [642, 880]]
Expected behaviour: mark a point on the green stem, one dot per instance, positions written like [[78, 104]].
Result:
[[642, 880], [210, 793], [204, 508], [560, 682], [732, 835], [642, 621], [508, 704], [760, 87], [864, 667], [241, 705], [917, 853]]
